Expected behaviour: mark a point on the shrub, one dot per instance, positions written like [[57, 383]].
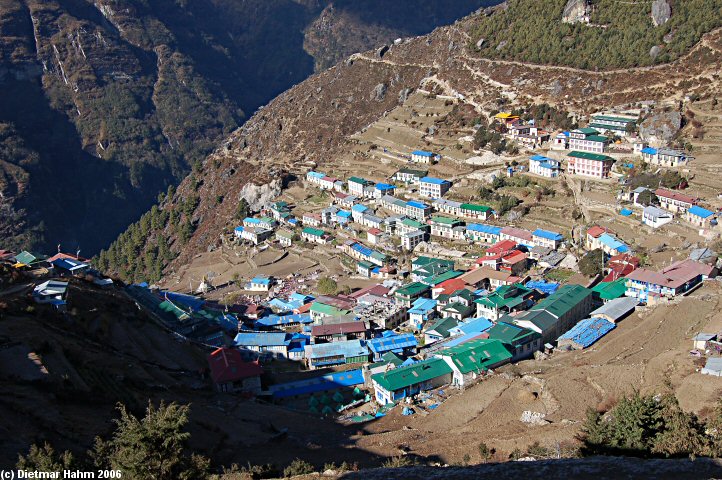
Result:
[[298, 467]]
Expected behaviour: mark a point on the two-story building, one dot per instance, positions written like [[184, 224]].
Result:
[[587, 140], [433, 187], [587, 164]]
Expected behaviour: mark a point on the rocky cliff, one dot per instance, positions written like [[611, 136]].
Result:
[[105, 103]]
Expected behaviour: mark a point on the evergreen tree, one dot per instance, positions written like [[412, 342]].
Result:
[[152, 447], [45, 459]]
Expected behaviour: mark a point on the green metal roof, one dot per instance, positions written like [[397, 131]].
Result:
[[402, 377], [505, 296], [590, 156], [563, 300], [392, 358], [458, 307], [611, 290], [443, 326], [412, 289], [360, 180], [330, 310], [26, 258], [509, 333], [445, 220], [597, 138], [477, 355], [421, 261], [366, 265], [611, 118], [284, 233], [434, 280], [313, 231], [410, 222], [411, 171], [587, 131], [475, 208]]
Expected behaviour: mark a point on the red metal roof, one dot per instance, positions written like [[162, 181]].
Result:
[[375, 231], [661, 192], [502, 246], [227, 365], [517, 233], [338, 329], [673, 276], [450, 286], [596, 231], [514, 257], [378, 290]]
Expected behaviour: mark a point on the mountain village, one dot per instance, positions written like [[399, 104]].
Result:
[[446, 291]]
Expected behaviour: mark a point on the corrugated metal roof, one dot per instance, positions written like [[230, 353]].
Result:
[[588, 331], [395, 342], [347, 348], [617, 308]]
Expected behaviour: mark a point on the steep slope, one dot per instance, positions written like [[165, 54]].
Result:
[[311, 124], [106, 103], [67, 372]]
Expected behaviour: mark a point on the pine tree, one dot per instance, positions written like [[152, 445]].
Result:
[[154, 446], [45, 459]]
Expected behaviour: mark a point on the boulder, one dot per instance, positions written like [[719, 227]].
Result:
[[480, 43], [660, 127], [379, 92], [381, 51], [655, 51], [661, 12], [576, 11]]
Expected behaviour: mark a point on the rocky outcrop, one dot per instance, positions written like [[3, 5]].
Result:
[[576, 11], [260, 196], [661, 12], [379, 92], [660, 128]]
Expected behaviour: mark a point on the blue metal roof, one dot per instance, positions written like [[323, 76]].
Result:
[[699, 211], [649, 150], [69, 264], [422, 305], [422, 153], [346, 348], [238, 229], [588, 331], [343, 213], [396, 342], [539, 158], [359, 208], [434, 180], [461, 339], [300, 297], [475, 325], [362, 249], [316, 174], [261, 280], [483, 228], [416, 204], [280, 320], [262, 339], [332, 381], [547, 234], [613, 243], [251, 220], [384, 186]]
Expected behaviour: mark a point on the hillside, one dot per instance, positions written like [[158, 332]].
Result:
[[107, 103], [320, 122], [68, 371]]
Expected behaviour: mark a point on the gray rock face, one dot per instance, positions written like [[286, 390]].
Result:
[[655, 51], [382, 51], [556, 87], [260, 196], [659, 128], [501, 45], [379, 92], [661, 12], [404, 94], [480, 43], [576, 11]]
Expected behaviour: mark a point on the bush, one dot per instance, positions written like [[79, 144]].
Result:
[[298, 467], [591, 263], [327, 286], [400, 461]]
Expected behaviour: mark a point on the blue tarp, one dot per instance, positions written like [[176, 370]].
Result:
[[542, 286], [625, 212], [588, 331], [332, 381]]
